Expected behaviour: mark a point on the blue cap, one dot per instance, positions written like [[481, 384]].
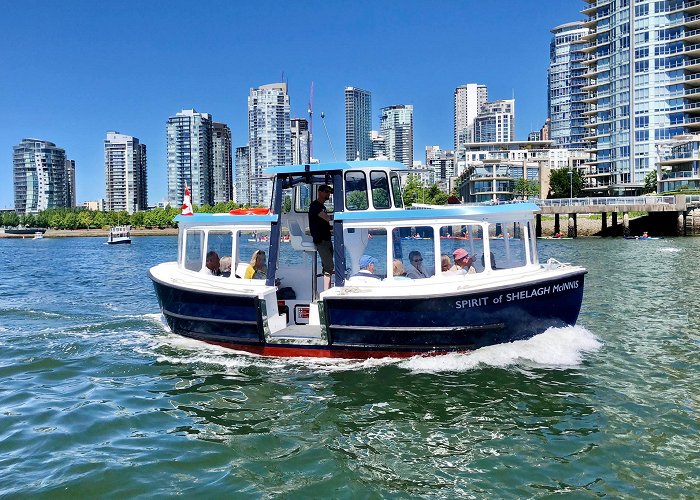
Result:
[[366, 260]]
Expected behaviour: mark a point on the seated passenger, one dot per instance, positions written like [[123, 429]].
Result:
[[416, 270], [225, 267], [368, 265], [399, 271], [444, 262], [257, 269], [463, 262], [212, 264]]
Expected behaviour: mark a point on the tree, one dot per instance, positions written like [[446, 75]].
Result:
[[526, 188], [563, 186], [650, 182]]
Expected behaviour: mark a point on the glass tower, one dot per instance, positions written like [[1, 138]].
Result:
[[269, 137], [495, 122], [189, 143], [125, 173], [565, 85], [358, 124], [41, 177], [222, 162], [396, 126], [468, 101], [300, 141], [242, 175], [643, 86]]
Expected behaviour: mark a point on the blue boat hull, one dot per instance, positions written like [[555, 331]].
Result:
[[365, 327]]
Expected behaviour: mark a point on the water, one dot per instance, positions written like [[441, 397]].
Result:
[[98, 399]]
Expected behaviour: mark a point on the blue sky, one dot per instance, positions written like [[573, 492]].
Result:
[[72, 70]]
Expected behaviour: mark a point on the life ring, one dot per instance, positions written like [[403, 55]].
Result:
[[250, 211]]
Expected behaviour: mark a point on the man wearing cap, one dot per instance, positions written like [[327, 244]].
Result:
[[368, 265], [463, 262], [320, 229]]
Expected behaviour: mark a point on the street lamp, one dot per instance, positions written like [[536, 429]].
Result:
[[571, 184]]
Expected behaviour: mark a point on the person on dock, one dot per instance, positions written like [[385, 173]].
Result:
[[416, 270], [320, 229]]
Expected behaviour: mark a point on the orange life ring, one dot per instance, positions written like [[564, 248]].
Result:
[[250, 211]]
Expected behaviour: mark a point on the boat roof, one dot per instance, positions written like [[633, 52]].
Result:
[[329, 167]]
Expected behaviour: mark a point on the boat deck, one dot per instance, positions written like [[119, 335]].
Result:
[[299, 332]]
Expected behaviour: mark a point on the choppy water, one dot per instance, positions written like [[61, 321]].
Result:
[[98, 399]]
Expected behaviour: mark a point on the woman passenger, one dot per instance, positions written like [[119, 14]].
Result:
[[257, 270]]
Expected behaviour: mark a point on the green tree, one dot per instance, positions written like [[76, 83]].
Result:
[[561, 185], [526, 188], [357, 200], [85, 219], [650, 182], [136, 219], [10, 219], [412, 191], [380, 198]]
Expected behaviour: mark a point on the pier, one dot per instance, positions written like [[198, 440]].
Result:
[[675, 214]]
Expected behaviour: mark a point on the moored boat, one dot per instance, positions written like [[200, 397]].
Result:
[[119, 235], [38, 235], [508, 296]]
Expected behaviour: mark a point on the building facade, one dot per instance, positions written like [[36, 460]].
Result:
[[70, 172], [189, 146], [41, 178], [358, 124], [468, 100], [396, 127], [441, 162], [643, 76], [126, 187], [269, 137], [301, 141], [565, 85], [495, 122], [222, 163], [242, 176]]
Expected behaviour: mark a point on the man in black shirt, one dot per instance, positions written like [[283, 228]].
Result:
[[320, 228]]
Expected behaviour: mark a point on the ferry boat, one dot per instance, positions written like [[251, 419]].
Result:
[[38, 235], [509, 296], [119, 235]]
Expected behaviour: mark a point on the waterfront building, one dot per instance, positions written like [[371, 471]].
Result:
[[222, 163], [495, 122], [378, 145], [126, 186], [40, 177], [441, 162], [242, 175], [565, 85], [358, 124], [70, 172], [678, 163], [301, 141], [468, 100], [396, 126], [534, 136], [489, 171], [269, 137], [189, 146], [95, 205], [643, 75]]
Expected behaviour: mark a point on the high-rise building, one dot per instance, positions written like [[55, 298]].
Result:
[[70, 173], [222, 163], [565, 85], [396, 125], [189, 144], [242, 175], [495, 122], [269, 137], [643, 76], [358, 124], [441, 162], [40, 176], [126, 188], [468, 100], [378, 145], [300, 141]]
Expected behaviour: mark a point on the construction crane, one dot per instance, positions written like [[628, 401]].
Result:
[[311, 121]]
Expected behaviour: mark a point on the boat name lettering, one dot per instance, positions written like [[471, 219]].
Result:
[[468, 303], [539, 292]]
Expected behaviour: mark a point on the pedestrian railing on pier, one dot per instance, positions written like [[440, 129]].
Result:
[[608, 200]]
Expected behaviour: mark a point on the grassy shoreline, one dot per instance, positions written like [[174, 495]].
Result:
[[97, 233]]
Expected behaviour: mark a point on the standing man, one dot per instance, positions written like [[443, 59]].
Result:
[[320, 228]]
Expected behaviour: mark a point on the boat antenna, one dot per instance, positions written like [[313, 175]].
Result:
[[323, 119]]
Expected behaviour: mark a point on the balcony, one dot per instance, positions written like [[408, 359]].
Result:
[[691, 36], [692, 80], [692, 50]]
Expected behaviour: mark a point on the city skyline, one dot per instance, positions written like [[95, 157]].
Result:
[[86, 93]]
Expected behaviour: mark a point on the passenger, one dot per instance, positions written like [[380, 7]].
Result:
[[257, 270], [212, 264], [445, 262], [368, 266], [320, 228], [645, 234], [463, 262], [225, 266], [399, 271], [416, 270]]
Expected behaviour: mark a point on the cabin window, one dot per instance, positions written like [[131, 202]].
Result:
[[221, 242], [363, 245], [194, 243], [507, 245], [252, 243], [465, 242], [414, 248], [380, 189], [396, 190], [287, 200], [356, 190], [303, 198]]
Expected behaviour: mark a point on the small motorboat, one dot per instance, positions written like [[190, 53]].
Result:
[[119, 235], [38, 235]]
